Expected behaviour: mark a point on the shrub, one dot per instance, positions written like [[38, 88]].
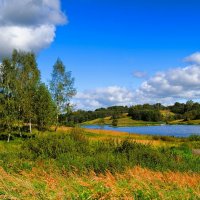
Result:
[[194, 138], [164, 138], [115, 122], [77, 134]]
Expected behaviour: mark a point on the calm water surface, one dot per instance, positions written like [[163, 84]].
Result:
[[169, 130]]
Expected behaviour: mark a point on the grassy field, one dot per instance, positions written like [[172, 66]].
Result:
[[136, 183], [166, 113], [182, 122], [123, 121], [78, 163]]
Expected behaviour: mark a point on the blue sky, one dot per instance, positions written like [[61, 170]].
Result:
[[111, 39], [118, 46]]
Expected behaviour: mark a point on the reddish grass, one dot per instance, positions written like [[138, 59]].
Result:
[[61, 184]]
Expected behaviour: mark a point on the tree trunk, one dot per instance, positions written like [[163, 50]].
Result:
[[19, 129], [30, 126], [20, 133], [56, 123], [8, 137]]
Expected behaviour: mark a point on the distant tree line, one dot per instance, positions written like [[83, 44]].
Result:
[[146, 115], [25, 100], [146, 112], [81, 116], [187, 111]]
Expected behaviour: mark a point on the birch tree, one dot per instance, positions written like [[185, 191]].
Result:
[[62, 88], [45, 108], [27, 80], [8, 96]]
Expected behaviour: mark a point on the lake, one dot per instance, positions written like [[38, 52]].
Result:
[[167, 130]]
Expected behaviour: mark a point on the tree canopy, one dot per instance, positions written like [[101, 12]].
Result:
[[62, 88], [25, 100]]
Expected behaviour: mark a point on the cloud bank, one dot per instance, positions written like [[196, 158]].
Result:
[[28, 25], [194, 58], [101, 97], [175, 83], [165, 87]]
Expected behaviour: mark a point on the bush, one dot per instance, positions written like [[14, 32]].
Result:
[[164, 138], [194, 138], [114, 122], [145, 115], [77, 134], [4, 136]]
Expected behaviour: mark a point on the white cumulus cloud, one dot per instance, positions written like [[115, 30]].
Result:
[[28, 25], [178, 83], [194, 58], [167, 87], [103, 97]]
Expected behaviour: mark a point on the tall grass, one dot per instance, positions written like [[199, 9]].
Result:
[[71, 166], [48, 182], [75, 151]]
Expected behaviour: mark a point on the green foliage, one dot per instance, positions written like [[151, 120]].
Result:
[[146, 112], [4, 136], [81, 116], [77, 134], [189, 111], [28, 78], [194, 138], [114, 122], [53, 163], [145, 115], [62, 88], [73, 151], [45, 108], [8, 96], [14, 135], [164, 138], [101, 121], [23, 98]]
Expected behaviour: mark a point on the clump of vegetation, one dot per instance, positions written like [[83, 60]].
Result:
[[194, 138], [114, 122], [164, 138], [74, 150], [145, 115], [4, 136]]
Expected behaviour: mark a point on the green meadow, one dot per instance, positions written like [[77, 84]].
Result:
[[77, 163], [122, 121]]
